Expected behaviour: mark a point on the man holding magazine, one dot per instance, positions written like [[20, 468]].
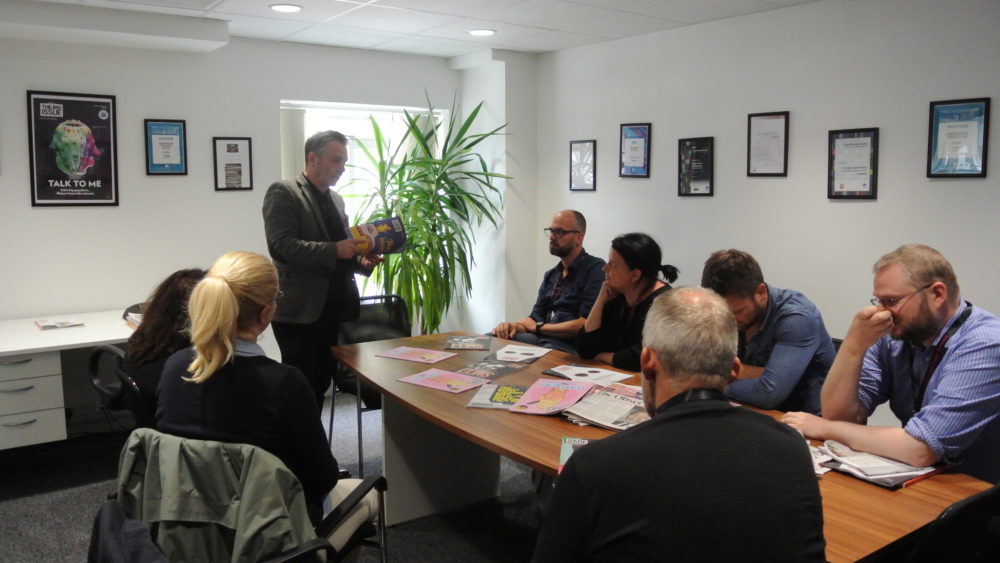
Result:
[[933, 356], [703, 480]]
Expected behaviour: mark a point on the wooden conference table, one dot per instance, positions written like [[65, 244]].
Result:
[[441, 456]]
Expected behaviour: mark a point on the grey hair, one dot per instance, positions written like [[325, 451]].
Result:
[[694, 334]]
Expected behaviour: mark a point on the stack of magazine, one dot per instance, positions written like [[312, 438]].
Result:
[[614, 406], [873, 468]]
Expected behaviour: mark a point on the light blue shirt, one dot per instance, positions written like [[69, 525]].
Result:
[[959, 418], [246, 348]]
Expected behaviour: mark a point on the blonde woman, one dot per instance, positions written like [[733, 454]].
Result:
[[224, 388]]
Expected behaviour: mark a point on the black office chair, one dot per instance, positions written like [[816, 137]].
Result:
[[115, 389], [223, 502], [382, 317], [967, 531]]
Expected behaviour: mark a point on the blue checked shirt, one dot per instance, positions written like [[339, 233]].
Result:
[[959, 418]]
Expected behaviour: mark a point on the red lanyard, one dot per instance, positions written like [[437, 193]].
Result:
[[939, 352]]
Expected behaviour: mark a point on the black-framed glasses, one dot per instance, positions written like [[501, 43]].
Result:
[[890, 302], [558, 233]]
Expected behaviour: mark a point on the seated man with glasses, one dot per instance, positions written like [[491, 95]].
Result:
[[934, 357], [568, 290]]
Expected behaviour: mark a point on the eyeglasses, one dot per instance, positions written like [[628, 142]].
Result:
[[558, 233], [890, 302]]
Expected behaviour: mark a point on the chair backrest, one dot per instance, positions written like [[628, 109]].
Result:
[[115, 388], [212, 501], [382, 317], [966, 531]]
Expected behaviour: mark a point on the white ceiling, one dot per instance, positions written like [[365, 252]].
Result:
[[440, 27]]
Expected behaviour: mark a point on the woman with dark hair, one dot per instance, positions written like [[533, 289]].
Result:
[[613, 331], [162, 332]]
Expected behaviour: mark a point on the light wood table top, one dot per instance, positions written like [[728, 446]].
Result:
[[860, 518]]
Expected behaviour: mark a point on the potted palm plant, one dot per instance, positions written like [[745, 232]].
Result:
[[442, 188]]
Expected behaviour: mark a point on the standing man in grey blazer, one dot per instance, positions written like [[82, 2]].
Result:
[[306, 230]]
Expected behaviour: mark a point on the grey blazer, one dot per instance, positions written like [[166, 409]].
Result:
[[301, 248]]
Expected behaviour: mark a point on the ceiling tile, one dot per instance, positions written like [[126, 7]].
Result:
[[342, 36], [466, 8], [549, 41], [392, 19], [460, 30], [431, 46], [262, 28], [685, 11], [131, 6], [558, 15], [312, 10]]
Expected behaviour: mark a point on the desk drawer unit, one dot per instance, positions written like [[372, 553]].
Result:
[[31, 400]]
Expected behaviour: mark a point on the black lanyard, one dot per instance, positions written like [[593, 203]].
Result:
[[939, 351]]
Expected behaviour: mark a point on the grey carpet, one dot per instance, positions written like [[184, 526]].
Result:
[[50, 492]]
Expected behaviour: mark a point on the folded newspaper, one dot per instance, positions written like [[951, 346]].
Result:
[[870, 467], [614, 406]]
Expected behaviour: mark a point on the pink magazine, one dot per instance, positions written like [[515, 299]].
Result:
[[444, 380], [548, 396], [421, 355]]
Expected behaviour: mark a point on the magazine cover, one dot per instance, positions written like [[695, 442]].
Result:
[[548, 396], [496, 396], [568, 446], [517, 353], [593, 374], [444, 380], [491, 369], [468, 343], [384, 236], [421, 355]]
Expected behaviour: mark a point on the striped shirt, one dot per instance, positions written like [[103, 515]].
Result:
[[959, 417]]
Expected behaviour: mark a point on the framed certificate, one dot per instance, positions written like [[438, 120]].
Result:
[[695, 172], [852, 171], [166, 147], [958, 139], [233, 163], [583, 166], [72, 148], [634, 150], [767, 144]]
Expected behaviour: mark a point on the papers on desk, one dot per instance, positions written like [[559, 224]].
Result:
[[491, 369], [416, 355], [468, 343], [133, 319], [592, 374], [520, 354], [549, 396], [873, 468], [819, 456], [45, 324], [444, 380], [615, 407], [496, 396]]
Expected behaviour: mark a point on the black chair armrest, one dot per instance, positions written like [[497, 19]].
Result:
[[343, 474], [340, 511]]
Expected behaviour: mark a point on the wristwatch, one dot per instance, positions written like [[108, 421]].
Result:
[[538, 328]]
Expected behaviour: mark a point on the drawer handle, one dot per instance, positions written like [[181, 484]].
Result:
[[16, 424], [15, 362], [18, 390]]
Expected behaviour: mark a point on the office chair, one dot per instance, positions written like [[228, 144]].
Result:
[[115, 389], [382, 317], [967, 531], [215, 501]]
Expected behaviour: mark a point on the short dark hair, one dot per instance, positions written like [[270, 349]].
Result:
[[581, 221], [640, 252], [318, 141], [732, 273]]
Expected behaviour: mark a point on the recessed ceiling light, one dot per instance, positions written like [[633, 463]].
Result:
[[482, 32], [286, 8]]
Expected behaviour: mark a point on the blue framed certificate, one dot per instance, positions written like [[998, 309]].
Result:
[[634, 148], [958, 140], [166, 147]]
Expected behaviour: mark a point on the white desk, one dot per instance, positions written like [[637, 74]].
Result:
[[31, 392]]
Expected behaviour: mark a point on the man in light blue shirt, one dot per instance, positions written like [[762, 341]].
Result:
[[784, 346], [934, 357]]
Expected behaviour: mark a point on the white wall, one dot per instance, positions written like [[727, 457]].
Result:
[[836, 64], [60, 260]]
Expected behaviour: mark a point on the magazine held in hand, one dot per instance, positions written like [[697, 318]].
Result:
[[383, 236]]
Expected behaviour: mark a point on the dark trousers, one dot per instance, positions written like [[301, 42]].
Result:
[[307, 347]]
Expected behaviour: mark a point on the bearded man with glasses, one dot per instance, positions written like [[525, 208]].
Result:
[[934, 357], [567, 292]]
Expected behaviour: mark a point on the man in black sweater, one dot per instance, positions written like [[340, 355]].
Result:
[[704, 480]]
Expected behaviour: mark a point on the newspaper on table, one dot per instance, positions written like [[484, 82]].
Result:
[[614, 406], [593, 374], [872, 468], [818, 457]]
